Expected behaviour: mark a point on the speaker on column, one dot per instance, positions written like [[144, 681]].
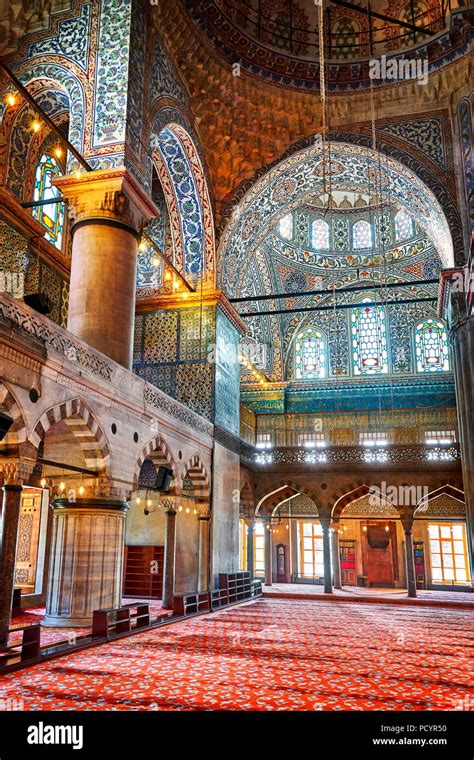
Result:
[[163, 479]]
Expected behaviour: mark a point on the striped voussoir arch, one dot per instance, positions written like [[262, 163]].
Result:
[[159, 452], [9, 406], [83, 426], [195, 470]]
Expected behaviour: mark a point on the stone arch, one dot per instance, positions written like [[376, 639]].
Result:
[[446, 490], [199, 477], [159, 452], [180, 170], [347, 498], [281, 492], [85, 428], [8, 405]]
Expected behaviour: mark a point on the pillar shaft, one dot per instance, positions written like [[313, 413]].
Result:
[[251, 547], [268, 557], [8, 539], [170, 558], [327, 557], [463, 355], [203, 553], [407, 523], [336, 561], [86, 564], [108, 209]]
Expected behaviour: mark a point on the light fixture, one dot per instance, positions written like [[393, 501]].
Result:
[[155, 261], [188, 510], [180, 508], [137, 501], [11, 99], [387, 528], [149, 503], [185, 295], [81, 490], [364, 528], [58, 152], [62, 486], [43, 482], [195, 511], [142, 246], [78, 174], [168, 276], [36, 126]]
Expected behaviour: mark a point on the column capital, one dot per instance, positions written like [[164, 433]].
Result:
[[16, 471], [111, 195], [90, 503]]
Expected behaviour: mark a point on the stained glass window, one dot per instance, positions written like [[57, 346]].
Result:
[[403, 225], [320, 235], [369, 340], [51, 215], [431, 346], [310, 355], [286, 226], [361, 235]]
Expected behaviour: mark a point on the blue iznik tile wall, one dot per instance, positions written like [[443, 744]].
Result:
[[227, 375], [192, 355]]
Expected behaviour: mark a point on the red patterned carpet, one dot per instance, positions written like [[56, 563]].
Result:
[[271, 654]]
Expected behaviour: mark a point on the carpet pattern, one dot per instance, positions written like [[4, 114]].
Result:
[[272, 654]]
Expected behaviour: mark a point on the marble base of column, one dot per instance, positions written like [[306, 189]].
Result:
[[86, 565], [169, 560], [10, 516]]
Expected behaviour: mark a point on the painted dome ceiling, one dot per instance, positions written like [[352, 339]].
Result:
[[289, 235], [279, 39]]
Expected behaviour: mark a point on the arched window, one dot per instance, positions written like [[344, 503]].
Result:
[[369, 340], [286, 226], [310, 355], [403, 225], [320, 235], [51, 215], [431, 346], [361, 235]]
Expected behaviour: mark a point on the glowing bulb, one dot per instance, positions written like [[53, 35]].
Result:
[[168, 276], [81, 490], [155, 261], [195, 511], [185, 295], [11, 100], [188, 510], [62, 485], [78, 174], [137, 500], [148, 503], [364, 528], [43, 482], [58, 152], [180, 509], [142, 246], [387, 528], [36, 125], [175, 285]]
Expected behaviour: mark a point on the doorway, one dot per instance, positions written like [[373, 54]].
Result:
[[379, 554]]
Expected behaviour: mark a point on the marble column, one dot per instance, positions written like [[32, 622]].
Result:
[[325, 523], [251, 547], [170, 558], [10, 516], [462, 341], [407, 522], [203, 553], [268, 556], [86, 563], [108, 209], [336, 560]]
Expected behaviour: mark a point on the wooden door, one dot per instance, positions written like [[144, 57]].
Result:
[[379, 556]]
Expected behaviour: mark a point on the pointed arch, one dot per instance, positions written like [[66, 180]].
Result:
[[10, 406], [84, 427], [159, 452], [281, 492], [445, 490], [310, 361], [197, 472], [362, 490]]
